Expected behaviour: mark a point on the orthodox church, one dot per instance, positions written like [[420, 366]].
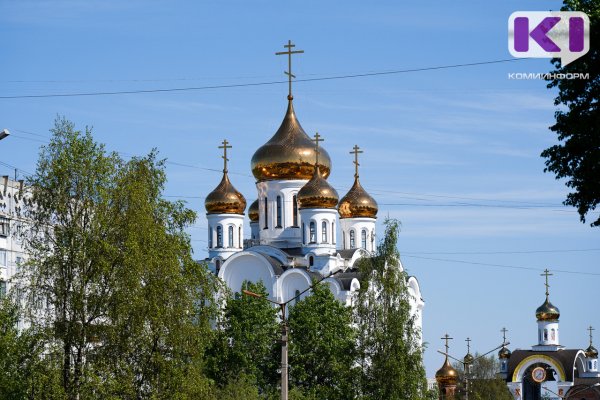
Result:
[[300, 230]]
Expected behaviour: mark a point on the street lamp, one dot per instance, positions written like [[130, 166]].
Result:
[[284, 330], [5, 133], [568, 396]]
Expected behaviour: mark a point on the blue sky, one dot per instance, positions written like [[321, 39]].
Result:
[[452, 153]]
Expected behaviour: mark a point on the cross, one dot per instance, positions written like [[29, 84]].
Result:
[[317, 139], [446, 338], [468, 340], [503, 330], [547, 274], [591, 329], [289, 52], [224, 156], [356, 151]]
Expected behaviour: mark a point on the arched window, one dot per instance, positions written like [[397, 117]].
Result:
[[344, 240], [295, 201], [352, 240], [278, 212], [266, 207], [553, 334], [240, 237], [303, 234], [363, 239], [230, 238], [324, 232], [296, 297], [311, 261], [219, 236], [333, 235], [210, 237], [313, 232], [545, 334]]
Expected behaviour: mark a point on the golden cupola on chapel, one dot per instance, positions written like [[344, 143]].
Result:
[[253, 211], [317, 192], [357, 202], [547, 311], [225, 199], [289, 154]]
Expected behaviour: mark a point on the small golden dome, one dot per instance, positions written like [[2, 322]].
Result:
[[591, 352], [468, 359], [317, 193], [357, 203], [547, 312], [504, 353], [446, 376], [253, 211], [289, 154], [225, 199]]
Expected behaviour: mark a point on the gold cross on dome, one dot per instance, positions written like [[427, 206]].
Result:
[[468, 340], [447, 338], [317, 139], [547, 274], [224, 156], [289, 53], [591, 329], [503, 330], [356, 151]]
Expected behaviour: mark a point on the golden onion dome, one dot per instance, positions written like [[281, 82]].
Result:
[[504, 353], [446, 375], [225, 199], [317, 193], [253, 211], [547, 312], [289, 154], [357, 203], [468, 359], [591, 352]]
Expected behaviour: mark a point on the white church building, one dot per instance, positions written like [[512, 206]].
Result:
[[300, 230]]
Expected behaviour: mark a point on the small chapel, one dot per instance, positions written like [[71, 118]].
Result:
[[300, 229]]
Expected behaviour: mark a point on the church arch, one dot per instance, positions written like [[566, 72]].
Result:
[[519, 372], [247, 266]]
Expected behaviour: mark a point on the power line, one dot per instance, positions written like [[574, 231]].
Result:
[[501, 265], [498, 252], [250, 84]]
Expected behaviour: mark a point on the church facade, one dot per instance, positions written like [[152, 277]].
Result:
[[300, 230]]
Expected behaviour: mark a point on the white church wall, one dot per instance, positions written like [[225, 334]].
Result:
[[247, 266]]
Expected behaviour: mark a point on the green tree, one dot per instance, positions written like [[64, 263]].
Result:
[[484, 382], [126, 312], [390, 356], [577, 156], [247, 341], [322, 346]]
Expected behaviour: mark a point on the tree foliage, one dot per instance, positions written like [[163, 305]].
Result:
[[390, 355], [484, 382], [577, 156], [124, 305], [322, 346]]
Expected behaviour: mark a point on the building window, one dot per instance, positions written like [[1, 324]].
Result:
[[218, 265], [4, 227], [2, 257], [363, 239], [2, 289], [266, 207], [313, 232], [352, 240], [295, 201], [545, 335], [240, 237], [230, 239], [333, 235], [219, 236], [324, 231], [303, 234], [296, 297], [210, 238], [372, 239], [344, 240], [311, 261], [278, 212]]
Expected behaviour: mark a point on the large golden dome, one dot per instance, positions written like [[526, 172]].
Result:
[[357, 203], [446, 375], [547, 312], [225, 199], [317, 193], [289, 154], [253, 211]]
